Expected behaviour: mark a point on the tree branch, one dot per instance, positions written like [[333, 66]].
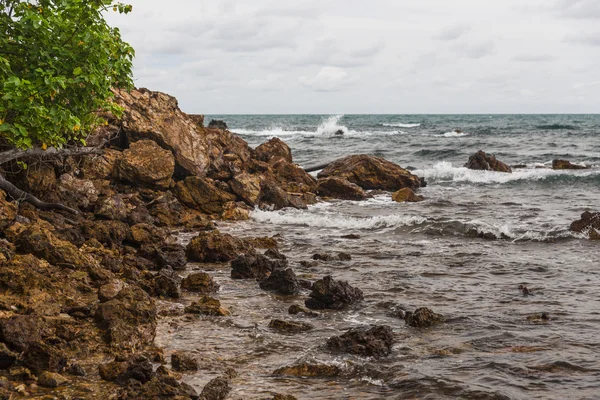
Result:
[[19, 194], [37, 152]]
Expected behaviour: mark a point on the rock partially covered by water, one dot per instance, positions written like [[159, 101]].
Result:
[[145, 163], [200, 282], [182, 361], [339, 188], [273, 151], [310, 370], [406, 195], [257, 266], [375, 341], [423, 318], [590, 223], [328, 293], [486, 162], [297, 309], [565, 164], [289, 326], [370, 172], [216, 389], [272, 196], [282, 281], [52, 380], [214, 246], [218, 124], [207, 306]]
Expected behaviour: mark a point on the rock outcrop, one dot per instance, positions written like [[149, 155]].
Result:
[[486, 162], [589, 223], [565, 164], [406, 195], [339, 188], [374, 341], [328, 293], [422, 318], [147, 164], [214, 246], [282, 281]]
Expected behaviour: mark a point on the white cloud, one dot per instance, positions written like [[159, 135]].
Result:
[[453, 32], [328, 79]]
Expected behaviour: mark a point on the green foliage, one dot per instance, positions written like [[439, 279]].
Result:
[[59, 61]]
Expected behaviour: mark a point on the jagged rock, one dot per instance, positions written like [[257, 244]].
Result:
[[100, 166], [565, 164], [273, 150], [217, 124], [197, 118], [272, 196], [182, 361], [339, 188], [289, 326], [20, 331], [263, 242], [371, 172], [76, 370], [422, 318], [200, 194], [52, 380], [110, 290], [165, 255], [375, 341], [310, 371], [216, 247], [297, 309], [256, 266], [39, 178], [200, 282], [487, 162], [247, 187], [162, 386], [406, 195], [113, 207], [590, 223], [7, 357], [233, 211], [328, 293], [331, 257], [137, 367], [275, 254], [129, 320], [81, 193], [207, 306], [166, 283], [216, 389], [293, 178], [40, 357], [108, 233], [8, 211], [147, 164], [281, 281]]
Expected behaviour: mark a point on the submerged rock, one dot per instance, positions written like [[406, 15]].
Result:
[[207, 306], [214, 246], [282, 281], [200, 282], [406, 195], [375, 341], [590, 223], [310, 370], [297, 309], [565, 164], [182, 361], [216, 389], [339, 188], [255, 266], [289, 326], [423, 318], [487, 162], [328, 293]]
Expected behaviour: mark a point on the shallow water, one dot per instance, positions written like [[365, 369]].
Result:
[[463, 252]]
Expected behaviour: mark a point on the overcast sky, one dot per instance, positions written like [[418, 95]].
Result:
[[368, 56]]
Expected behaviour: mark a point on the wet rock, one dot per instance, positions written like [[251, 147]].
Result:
[[324, 257], [293, 178], [273, 151], [371, 172], [375, 341], [8, 211], [272, 196], [289, 326], [200, 194], [200, 282], [486, 162], [166, 283], [207, 306], [406, 195], [217, 124], [352, 236], [110, 290], [565, 164], [281, 281], [263, 242], [344, 257], [216, 389], [540, 317], [52, 380], [216, 247], [40, 357], [422, 318], [76, 370], [339, 132], [137, 367], [7, 357], [166, 255], [297, 309], [20, 331], [108, 233], [275, 254], [310, 371], [80, 193], [328, 293], [254, 266], [525, 290], [339, 188], [246, 187], [182, 361], [588, 223]]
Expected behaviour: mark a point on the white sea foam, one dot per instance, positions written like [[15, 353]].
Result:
[[401, 125], [331, 125], [453, 134]]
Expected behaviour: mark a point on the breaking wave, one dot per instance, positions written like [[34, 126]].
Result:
[[401, 125]]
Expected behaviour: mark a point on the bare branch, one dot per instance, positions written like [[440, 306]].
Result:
[[37, 152], [19, 194]]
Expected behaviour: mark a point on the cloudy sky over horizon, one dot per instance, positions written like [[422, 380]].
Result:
[[377, 56]]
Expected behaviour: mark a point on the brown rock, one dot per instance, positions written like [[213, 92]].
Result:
[[216, 389], [200, 194], [328, 293], [589, 223], [339, 188], [293, 178], [247, 187], [371, 172], [200, 282], [565, 164], [79, 192], [20, 331], [182, 361], [487, 162], [310, 370], [207, 306], [274, 197], [214, 246], [374, 341], [40, 357], [406, 195], [289, 326], [100, 166], [423, 318], [110, 290], [52, 380], [145, 163], [273, 151], [8, 211]]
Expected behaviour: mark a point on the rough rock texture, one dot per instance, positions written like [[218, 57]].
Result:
[[255, 266], [487, 162], [375, 341], [207, 306], [145, 163], [200, 282], [167, 283], [310, 370], [80, 193], [182, 361], [138, 367], [218, 124], [216, 389], [272, 196], [371, 172], [297, 309], [289, 326], [247, 187], [273, 151], [590, 223], [8, 211], [216, 247], [422, 318], [202, 195], [282, 281], [293, 178], [339, 188], [406, 195], [565, 164], [40, 356], [328, 293], [52, 380]]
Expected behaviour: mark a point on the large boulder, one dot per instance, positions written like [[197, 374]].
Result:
[[294, 178], [273, 150], [100, 166], [370, 172], [272, 196], [214, 246], [200, 282], [247, 187], [339, 188], [374, 341], [202, 195], [328, 293], [565, 164], [256, 266], [282, 281], [147, 164], [422, 318], [218, 124], [81, 193], [589, 223], [486, 162]]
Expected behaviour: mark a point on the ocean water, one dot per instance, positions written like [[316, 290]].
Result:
[[463, 252]]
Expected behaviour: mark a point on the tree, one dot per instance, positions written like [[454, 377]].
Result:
[[59, 61]]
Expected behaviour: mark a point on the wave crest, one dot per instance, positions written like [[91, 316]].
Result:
[[400, 125]]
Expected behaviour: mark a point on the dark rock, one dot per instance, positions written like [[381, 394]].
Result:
[[279, 396], [275, 254], [216, 389], [273, 150], [323, 257], [137, 367], [422, 318], [328, 293], [289, 326], [76, 370], [589, 223], [200, 282], [486, 162], [8, 211], [375, 341], [339, 188], [217, 124], [310, 371], [216, 247], [110, 290], [7, 357], [344, 257], [165, 255], [52, 380], [207, 306], [305, 284], [255, 266], [40, 357], [565, 164], [406, 195], [20, 331], [202, 195], [182, 361], [339, 132], [272, 196], [166, 283], [281, 281], [162, 386], [352, 236], [297, 309]]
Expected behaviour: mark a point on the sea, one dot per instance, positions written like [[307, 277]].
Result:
[[464, 252]]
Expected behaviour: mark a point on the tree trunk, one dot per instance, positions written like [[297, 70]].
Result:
[[19, 194]]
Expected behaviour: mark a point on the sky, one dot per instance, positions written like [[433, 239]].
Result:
[[368, 56]]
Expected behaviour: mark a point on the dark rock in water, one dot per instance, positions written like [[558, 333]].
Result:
[[52, 380], [42, 357], [344, 257], [272, 196], [371, 172], [422, 318], [182, 361], [279, 396], [486, 162], [275, 254], [323, 257], [255, 266], [163, 385], [541, 317], [218, 124], [207, 306], [352, 236], [216, 389], [406, 195], [328, 293], [525, 290], [214, 246], [7, 357], [76, 370], [565, 164], [310, 370], [339, 188], [282, 281], [166, 283], [339, 132], [375, 341], [166, 255], [305, 284], [519, 166], [273, 151], [589, 223], [289, 326], [297, 309], [200, 282]]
